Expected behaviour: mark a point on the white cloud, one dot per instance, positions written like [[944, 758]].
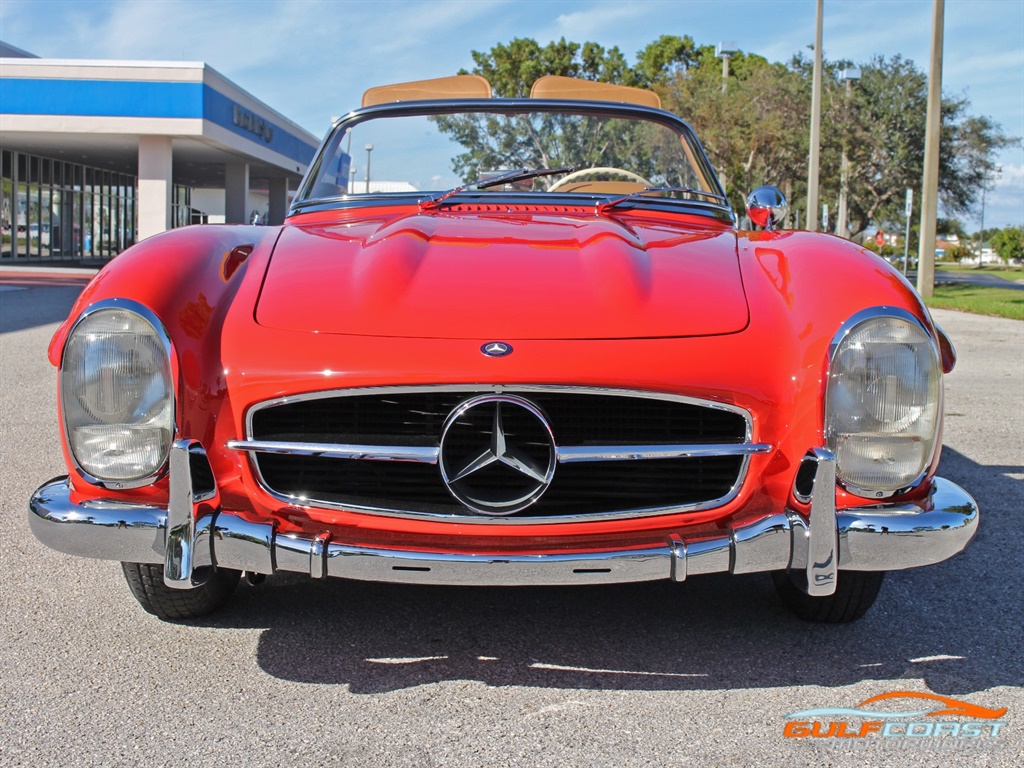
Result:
[[598, 21], [1006, 200], [1012, 177]]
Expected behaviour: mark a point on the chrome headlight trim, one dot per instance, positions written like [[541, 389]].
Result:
[[847, 328], [164, 339]]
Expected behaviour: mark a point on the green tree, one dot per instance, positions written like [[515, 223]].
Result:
[[663, 59], [495, 141], [755, 131], [512, 69], [951, 226], [972, 144], [885, 132], [959, 253], [1009, 243], [986, 234]]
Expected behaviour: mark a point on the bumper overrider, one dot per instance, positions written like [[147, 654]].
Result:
[[192, 534]]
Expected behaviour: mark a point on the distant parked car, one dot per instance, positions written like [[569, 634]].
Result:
[[569, 367]]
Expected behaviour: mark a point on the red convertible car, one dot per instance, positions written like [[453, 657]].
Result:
[[547, 356]]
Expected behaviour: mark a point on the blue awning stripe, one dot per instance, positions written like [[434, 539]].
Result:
[[121, 98]]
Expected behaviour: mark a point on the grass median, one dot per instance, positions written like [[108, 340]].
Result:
[[981, 300]]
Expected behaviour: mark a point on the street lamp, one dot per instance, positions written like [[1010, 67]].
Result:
[[369, 149], [352, 180], [985, 178], [723, 51], [847, 75]]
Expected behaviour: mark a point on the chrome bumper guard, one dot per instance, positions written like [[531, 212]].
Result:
[[193, 533]]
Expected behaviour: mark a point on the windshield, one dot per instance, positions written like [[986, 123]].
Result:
[[590, 152]]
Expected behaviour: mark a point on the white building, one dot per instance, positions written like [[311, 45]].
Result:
[[99, 154]]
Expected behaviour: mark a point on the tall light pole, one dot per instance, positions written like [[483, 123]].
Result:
[[849, 75], [723, 51], [996, 172], [812, 165], [930, 182], [369, 149]]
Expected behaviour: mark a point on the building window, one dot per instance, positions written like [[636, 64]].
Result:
[[51, 210]]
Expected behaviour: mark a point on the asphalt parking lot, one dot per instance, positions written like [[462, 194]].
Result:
[[297, 673]]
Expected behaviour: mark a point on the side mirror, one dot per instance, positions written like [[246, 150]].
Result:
[[767, 207]]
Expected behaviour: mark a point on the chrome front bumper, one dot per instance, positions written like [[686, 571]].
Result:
[[193, 533]]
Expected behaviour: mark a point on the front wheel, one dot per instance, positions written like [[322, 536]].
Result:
[[855, 593], [147, 585]]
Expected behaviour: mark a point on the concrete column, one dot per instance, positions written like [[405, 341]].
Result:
[[236, 193], [155, 185], [278, 201]]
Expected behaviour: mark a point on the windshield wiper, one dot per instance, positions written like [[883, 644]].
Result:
[[609, 204], [508, 177]]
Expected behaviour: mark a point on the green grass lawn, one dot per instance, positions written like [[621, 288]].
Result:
[[981, 300]]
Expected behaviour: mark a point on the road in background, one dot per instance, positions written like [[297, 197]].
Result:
[[983, 279], [346, 673]]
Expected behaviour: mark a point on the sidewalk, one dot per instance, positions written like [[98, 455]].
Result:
[[16, 277]]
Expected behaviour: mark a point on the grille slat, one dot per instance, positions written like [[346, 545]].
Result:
[[576, 418]]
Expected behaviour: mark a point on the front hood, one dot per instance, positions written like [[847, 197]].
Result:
[[504, 276]]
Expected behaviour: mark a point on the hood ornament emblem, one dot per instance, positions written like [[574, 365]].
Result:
[[496, 349]]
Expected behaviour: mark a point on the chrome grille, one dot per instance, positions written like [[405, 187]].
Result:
[[620, 453]]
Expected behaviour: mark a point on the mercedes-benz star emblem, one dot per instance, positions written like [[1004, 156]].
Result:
[[496, 349], [497, 454]]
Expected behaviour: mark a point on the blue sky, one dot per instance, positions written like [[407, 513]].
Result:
[[311, 59]]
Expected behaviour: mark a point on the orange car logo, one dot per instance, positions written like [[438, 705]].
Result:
[[949, 706], [953, 707], [866, 719]]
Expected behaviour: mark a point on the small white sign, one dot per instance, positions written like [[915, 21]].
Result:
[[910, 202]]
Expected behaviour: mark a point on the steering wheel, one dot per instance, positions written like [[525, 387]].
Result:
[[600, 175]]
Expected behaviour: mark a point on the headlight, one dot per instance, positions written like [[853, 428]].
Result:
[[117, 394], [882, 404]]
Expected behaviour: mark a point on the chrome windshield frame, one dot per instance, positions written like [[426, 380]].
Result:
[[302, 204]]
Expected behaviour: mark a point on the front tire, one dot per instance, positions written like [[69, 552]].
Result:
[[855, 593], [147, 585]]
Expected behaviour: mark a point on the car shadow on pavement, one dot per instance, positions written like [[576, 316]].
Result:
[[29, 306], [956, 625]]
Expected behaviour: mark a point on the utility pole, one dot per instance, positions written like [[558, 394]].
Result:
[[981, 235], [930, 185], [812, 170], [985, 179], [849, 75]]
